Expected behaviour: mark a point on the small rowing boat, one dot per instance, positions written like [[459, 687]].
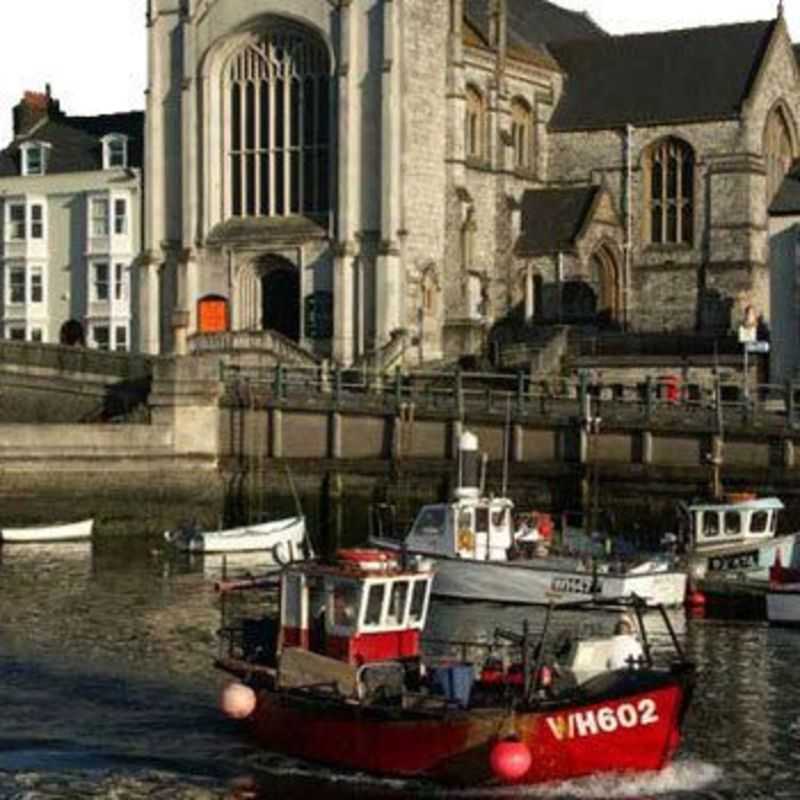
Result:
[[65, 532], [284, 538]]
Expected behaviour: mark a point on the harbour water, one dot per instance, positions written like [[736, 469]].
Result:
[[107, 691]]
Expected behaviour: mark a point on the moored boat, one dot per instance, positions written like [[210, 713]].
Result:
[[343, 677], [783, 596], [481, 554], [62, 532], [285, 539], [734, 536]]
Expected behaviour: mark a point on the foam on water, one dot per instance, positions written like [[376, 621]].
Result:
[[680, 777]]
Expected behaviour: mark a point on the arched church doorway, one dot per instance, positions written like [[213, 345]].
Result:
[[605, 279], [280, 300], [578, 302]]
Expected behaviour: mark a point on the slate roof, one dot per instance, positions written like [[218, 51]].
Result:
[[553, 218], [533, 23], [787, 200], [667, 77], [76, 145]]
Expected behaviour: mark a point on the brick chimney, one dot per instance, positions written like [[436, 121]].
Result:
[[34, 107]]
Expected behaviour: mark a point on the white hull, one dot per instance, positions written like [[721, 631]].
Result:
[[286, 535], [49, 533], [748, 559], [783, 606], [533, 582]]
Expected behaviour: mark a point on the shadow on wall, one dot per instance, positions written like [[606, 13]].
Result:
[[715, 311]]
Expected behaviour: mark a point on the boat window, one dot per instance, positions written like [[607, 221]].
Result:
[[758, 522], [482, 519], [397, 603], [499, 517], [710, 524], [733, 523], [345, 604], [418, 601], [431, 521], [464, 519], [372, 616]]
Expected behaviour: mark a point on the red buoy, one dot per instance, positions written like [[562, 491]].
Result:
[[695, 602], [510, 760]]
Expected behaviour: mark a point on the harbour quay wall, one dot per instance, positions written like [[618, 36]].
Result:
[[206, 414]]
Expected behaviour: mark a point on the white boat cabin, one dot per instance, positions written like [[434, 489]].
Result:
[[365, 607], [709, 525], [470, 527]]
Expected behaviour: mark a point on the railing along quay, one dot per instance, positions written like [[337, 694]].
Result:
[[716, 406]]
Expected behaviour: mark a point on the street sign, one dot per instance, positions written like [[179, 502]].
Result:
[[757, 347], [747, 333]]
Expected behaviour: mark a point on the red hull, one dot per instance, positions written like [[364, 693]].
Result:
[[635, 733]]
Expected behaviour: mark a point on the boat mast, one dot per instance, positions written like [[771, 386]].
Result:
[[506, 447]]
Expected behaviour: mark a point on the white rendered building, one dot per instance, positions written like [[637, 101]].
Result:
[[70, 217]]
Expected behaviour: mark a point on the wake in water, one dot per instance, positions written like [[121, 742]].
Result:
[[681, 777]]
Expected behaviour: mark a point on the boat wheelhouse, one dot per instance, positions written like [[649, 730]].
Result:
[[364, 608], [340, 675], [735, 535]]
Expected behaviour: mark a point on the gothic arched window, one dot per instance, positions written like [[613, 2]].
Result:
[[670, 174], [522, 134], [278, 126], [778, 149], [475, 125]]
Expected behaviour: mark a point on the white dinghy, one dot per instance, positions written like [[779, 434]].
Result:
[[480, 556], [285, 539], [67, 532]]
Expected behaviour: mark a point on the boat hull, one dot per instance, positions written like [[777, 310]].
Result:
[[633, 732], [751, 560], [783, 606], [69, 532], [507, 582], [534, 583], [263, 537]]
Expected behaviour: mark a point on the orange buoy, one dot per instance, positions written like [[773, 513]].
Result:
[[237, 701], [510, 760]]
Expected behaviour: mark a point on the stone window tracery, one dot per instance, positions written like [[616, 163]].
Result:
[[475, 125], [670, 179], [278, 130], [778, 151], [522, 134]]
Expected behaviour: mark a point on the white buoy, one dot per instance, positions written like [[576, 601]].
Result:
[[237, 701]]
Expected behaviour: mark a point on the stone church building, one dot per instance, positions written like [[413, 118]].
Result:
[[390, 179]]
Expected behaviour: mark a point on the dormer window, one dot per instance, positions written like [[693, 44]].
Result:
[[115, 151], [34, 158]]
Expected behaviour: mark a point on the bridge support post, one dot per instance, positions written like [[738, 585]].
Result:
[[647, 447], [456, 427], [276, 432], [788, 454], [517, 443], [334, 435]]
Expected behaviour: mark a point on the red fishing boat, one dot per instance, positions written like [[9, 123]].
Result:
[[342, 676]]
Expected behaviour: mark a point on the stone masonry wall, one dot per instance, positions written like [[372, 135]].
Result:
[[424, 114]]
